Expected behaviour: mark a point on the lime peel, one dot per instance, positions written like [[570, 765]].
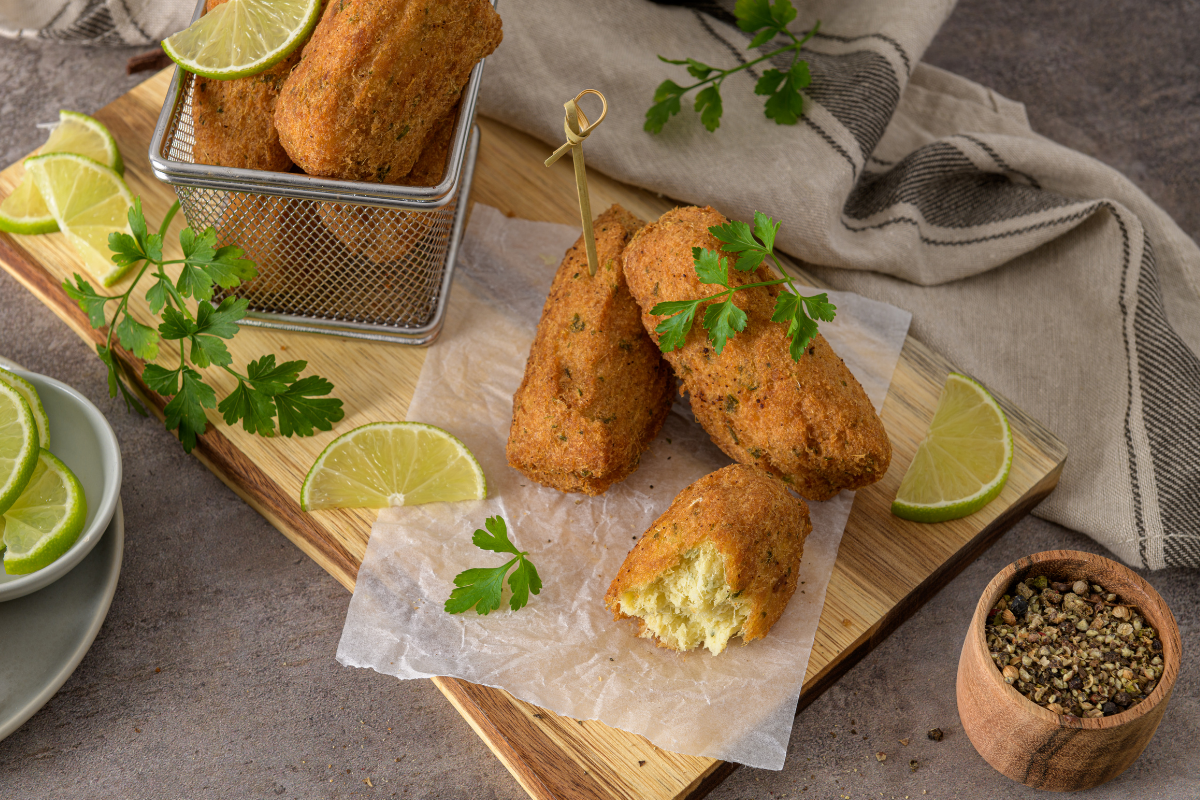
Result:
[[18, 445]]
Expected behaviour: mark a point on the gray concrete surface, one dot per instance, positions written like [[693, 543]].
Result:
[[214, 675]]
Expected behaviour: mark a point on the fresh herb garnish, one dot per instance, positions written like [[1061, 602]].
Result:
[[481, 587], [724, 320], [784, 103], [266, 390]]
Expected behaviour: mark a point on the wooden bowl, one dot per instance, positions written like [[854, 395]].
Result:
[[1035, 746]]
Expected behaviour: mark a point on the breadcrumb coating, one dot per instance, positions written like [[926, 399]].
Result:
[[807, 422]]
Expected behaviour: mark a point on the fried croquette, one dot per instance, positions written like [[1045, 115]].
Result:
[[721, 562], [431, 164], [234, 120], [807, 422], [596, 390], [380, 234], [375, 80]]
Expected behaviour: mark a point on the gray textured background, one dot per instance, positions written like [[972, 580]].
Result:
[[249, 701]]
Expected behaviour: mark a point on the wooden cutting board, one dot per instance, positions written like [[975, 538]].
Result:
[[886, 568]]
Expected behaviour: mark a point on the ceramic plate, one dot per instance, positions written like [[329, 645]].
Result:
[[44, 635]]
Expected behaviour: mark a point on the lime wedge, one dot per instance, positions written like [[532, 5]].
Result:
[[80, 134], [46, 519], [963, 462], [392, 464], [18, 445], [243, 37], [24, 211], [88, 201], [26, 390]]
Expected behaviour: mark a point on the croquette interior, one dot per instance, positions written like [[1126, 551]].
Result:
[[690, 604]]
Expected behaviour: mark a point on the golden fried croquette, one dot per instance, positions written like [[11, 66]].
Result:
[[234, 120], [376, 79], [721, 562], [431, 164], [596, 390], [808, 422], [380, 234]]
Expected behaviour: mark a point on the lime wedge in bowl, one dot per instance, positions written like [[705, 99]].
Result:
[[24, 211], [243, 37], [963, 462], [46, 519], [88, 201], [29, 393], [18, 445], [392, 464]]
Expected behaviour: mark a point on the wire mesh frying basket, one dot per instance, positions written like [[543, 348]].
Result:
[[348, 258]]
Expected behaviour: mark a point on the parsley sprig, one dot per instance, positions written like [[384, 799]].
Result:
[[782, 88], [722, 318], [265, 391], [482, 587]]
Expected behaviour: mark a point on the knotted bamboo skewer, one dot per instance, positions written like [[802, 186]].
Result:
[[577, 128]]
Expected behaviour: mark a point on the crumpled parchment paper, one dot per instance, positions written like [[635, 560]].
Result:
[[563, 651]]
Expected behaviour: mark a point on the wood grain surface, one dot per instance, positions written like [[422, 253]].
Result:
[[1033, 745], [886, 567]]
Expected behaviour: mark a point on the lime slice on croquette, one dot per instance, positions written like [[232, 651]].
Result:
[[243, 37]]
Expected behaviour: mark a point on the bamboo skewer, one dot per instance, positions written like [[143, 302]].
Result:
[[577, 128]]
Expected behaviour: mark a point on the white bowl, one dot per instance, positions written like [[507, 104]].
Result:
[[83, 439]]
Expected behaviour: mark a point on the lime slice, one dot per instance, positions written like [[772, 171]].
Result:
[[46, 519], [89, 201], [243, 37], [26, 390], [24, 211], [392, 464], [80, 134], [963, 461], [18, 445]]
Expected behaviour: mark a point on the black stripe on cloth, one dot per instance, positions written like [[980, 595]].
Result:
[[1078, 215], [94, 24], [860, 89], [129, 16], [1000, 162], [710, 7], [829, 140], [730, 46], [1134, 485], [1169, 376], [880, 36], [948, 190]]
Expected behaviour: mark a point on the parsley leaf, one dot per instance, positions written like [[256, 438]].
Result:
[[272, 379], [252, 406], [139, 339], [710, 268], [766, 21], [674, 329], [708, 103], [819, 307], [723, 320], [666, 105], [735, 237], [268, 391], [301, 407], [90, 302], [481, 588]]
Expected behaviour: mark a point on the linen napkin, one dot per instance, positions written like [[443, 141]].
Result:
[[1042, 272], [110, 23], [563, 651]]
